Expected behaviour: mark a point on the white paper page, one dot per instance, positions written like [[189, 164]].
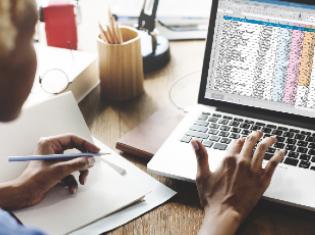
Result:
[[159, 194], [106, 190], [55, 116]]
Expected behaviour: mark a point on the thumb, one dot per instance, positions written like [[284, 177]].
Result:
[[202, 159]]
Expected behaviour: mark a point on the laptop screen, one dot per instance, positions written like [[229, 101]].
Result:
[[262, 55]]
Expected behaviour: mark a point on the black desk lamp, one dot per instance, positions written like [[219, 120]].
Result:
[[155, 48]]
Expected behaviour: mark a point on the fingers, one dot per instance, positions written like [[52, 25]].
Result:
[[261, 151], [71, 183], [236, 146], [202, 159], [83, 176], [72, 141], [79, 164], [249, 144], [273, 162]]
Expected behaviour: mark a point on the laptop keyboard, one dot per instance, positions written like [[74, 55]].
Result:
[[217, 130]]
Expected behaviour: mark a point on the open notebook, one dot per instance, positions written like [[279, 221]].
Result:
[[106, 191]]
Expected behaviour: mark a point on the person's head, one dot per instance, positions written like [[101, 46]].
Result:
[[17, 55]]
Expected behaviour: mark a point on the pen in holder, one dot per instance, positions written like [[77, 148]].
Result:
[[120, 64]]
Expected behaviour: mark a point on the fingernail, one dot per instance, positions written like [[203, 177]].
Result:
[[195, 145], [91, 161]]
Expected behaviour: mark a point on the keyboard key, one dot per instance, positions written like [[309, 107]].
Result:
[[249, 121], [293, 154], [310, 139], [225, 128], [234, 123], [197, 134], [271, 126], [306, 133], [282, 128], [311, 151], [305, 157], [290, 147], [245, 126], [214, 126], [279, 145], [301, 150], [203, 117], [256, 128], [207, 143], [313, 159], [313, 168], [225, 140], [201, 123], [266, 130], [276, 132], [199, 128], [302, 143], [291, 161], [268, 156], [260, 124], [311, 145], [227, 117], [300, 137], [224, 134], [186, 139], [220, 146], [280, 139], [291, 141], [294, 130], [217, 115], [238, 119], [304, 164], [213, 132], [288, 134], [223, 121], [214, 138], [235, 130], [234, 136], [213, 119], [271, 150], [206, 113], [245, 132]]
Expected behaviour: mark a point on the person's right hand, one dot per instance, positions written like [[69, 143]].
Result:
[[41, 176], [239, 183]]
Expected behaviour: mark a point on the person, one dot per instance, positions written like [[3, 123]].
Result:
[[227, 194], [17, 72]]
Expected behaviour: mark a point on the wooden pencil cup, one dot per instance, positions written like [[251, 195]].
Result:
[[121, 67]]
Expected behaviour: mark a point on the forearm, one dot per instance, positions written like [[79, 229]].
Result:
[[12, 196], [220, 222]]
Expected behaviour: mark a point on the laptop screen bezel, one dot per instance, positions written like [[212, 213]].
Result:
[[224, 105]]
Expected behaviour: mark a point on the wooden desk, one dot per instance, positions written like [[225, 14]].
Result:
[[182, 214]]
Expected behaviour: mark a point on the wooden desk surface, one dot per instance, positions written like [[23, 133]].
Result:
[[181, 215]]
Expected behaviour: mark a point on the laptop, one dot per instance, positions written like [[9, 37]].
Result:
[[258, 74]]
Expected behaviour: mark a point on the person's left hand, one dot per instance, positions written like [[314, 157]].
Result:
[[40, 176]]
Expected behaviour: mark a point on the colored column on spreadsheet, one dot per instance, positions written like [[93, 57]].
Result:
[[281, 64], [290, 89]]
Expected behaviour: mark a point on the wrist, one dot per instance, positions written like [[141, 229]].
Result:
[[220, 220], [12, 195]]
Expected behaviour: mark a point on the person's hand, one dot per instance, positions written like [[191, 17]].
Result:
[[41, 176], [235, 188]]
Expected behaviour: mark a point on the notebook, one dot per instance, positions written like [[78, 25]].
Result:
[[106, 191]]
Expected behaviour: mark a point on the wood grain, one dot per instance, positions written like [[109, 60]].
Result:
[[182, 215]]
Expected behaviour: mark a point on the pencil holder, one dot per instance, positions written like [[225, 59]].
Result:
[[121, 66]]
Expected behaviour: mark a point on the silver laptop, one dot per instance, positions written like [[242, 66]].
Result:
[[258, 74]]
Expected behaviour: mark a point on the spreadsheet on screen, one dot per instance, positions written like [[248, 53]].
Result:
[[263, 55]]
